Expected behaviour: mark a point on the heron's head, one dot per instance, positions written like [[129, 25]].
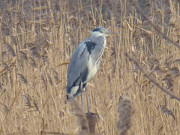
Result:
[[102, 32]]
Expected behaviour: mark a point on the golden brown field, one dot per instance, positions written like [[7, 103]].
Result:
[[37, 38]]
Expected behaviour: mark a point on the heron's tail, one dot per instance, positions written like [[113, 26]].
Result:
[[73, 91]]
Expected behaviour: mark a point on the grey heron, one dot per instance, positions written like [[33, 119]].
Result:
[[85, 62]]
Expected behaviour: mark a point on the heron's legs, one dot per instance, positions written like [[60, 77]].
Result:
[[87, 98], [82, 100]]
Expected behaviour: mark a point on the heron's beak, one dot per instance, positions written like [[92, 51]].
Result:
[[109, 33]]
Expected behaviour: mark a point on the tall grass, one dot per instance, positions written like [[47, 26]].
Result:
[[37, 38]]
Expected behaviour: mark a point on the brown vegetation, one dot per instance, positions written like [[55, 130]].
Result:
[[37, 38]]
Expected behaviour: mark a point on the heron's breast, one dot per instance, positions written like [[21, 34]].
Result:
[[92, 69]]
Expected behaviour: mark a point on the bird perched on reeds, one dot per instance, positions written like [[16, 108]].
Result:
[[85, 62]]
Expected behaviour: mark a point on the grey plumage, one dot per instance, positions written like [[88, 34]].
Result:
[[85, 61]]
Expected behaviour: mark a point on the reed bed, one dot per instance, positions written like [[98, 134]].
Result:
[[37, 38]]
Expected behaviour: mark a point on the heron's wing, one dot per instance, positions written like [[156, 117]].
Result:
[[78, 67]]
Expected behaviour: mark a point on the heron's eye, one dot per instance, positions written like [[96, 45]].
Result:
[[101, 31]]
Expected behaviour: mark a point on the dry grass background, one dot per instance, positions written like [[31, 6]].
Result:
[[37, 38]]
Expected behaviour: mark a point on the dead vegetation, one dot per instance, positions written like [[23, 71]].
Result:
[[125, 110], [37, 38]]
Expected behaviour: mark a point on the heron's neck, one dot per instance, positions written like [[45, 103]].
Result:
[[98, 39]]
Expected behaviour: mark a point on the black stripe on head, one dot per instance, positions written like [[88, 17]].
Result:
[[90, 46], [97, 29]]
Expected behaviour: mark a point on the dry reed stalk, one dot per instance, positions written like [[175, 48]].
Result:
[[31, 103], [3, 54], [10, 50], [61, 64], [13, 40], [125, 114], [45, 57], [23, 56], [177, 61], [174, 72], [28, 100], [165, 110], [154, 26], [50, 80], [5, 66], [6, 109], [152, 79], [55, 73], [43, 79], [36, 106], [32, 62], [168, 81], [22, 78], [34, 52]]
